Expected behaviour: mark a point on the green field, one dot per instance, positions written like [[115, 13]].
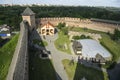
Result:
[[61, 41], [78, 71], [78, 29], [6, 54], [112, 46], [40, 69]]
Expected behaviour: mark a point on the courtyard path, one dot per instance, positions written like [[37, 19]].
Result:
[[57, 57]]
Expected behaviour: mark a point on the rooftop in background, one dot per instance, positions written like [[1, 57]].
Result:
[[28, 12], [4, 27], [90, 48], [110, 3], [5, 30]]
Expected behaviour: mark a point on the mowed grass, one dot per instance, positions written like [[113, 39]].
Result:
[[78, 71], [40, 69], [112, 46], [61, 41], [6, 54], [78, 29]]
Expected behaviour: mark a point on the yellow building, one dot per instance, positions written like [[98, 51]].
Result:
[[47, 29]]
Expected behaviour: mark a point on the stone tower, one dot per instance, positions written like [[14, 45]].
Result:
[[29, 16]]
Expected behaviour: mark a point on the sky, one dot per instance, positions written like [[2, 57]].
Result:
[[110, 3]]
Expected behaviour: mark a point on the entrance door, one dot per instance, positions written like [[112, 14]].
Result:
[[47, 33]]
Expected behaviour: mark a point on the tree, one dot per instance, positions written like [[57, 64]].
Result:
[[65, 30], [116, 35], [61, 25]]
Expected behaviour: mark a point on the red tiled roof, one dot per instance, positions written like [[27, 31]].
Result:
[[48, 23]]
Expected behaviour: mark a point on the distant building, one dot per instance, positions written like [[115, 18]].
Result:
[[5, 30], [47, 29]]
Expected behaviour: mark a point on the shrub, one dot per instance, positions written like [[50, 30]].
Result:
[[61, 25], [81, 37]]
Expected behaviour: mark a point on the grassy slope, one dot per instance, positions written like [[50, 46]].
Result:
[[61, 41], [40, 69], [6, 54], [111, 45], [78, 71]]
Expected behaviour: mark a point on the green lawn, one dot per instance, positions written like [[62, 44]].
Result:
[[61, 41], [112, 46], [6, 54], [78, 29], [40, 69], [40, 43], [78, 71]]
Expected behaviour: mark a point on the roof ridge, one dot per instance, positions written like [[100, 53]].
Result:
[[28, 11]]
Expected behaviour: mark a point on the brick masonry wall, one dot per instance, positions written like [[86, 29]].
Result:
[[19, 66], [77, 22]]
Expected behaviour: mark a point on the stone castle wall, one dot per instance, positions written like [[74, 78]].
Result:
[[77, 22], [19, 66]]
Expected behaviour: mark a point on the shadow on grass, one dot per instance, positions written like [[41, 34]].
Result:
[[40, 69], [114, 71], [86, 72]]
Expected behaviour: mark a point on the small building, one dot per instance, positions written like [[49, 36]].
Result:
[[47, 29], [5, 31], [77, 47]]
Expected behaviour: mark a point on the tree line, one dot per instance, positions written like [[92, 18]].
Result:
[[11, 15]]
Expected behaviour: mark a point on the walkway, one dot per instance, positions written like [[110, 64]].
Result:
[[57, 57]]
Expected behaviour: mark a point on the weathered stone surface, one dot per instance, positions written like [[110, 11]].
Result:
[[83, 23], [19, 66]]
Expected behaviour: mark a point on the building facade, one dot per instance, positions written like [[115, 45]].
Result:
[[47, 29]]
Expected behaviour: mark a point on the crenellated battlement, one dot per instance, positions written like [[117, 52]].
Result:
[[102, 25], [65, 19]]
